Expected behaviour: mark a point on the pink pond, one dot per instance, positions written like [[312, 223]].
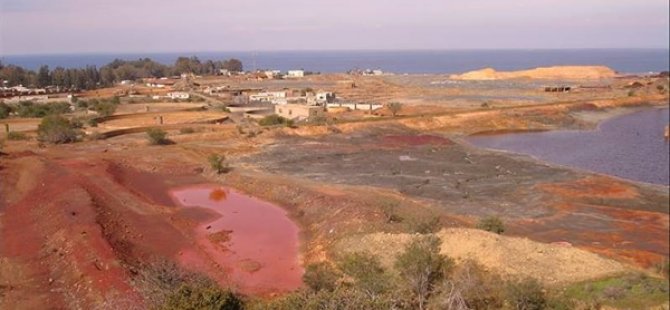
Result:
[[253, 241]]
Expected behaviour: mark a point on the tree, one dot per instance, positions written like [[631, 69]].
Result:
[[4, 110], [321, 276], [43, 77], [394, 107], [492, 224], [56, 129], [421, 266], [526, 295], [233, 65], [217, 162], [157, 136], [367, 272]]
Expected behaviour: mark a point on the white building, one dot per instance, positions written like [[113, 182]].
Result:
[[276, 97], [179, 95], [325, 97], [296, 73]]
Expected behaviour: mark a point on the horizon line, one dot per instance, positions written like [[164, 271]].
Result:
[[101, 53]]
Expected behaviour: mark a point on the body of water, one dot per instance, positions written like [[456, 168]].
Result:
[[444, 61], [631, 146]]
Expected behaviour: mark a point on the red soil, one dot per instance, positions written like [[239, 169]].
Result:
[[254, 241]]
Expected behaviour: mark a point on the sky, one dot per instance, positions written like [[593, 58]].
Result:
[[136, 26]]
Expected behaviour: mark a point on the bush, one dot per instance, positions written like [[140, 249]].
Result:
[[15, 135], [389, 209], [492, 224], [5, 110], [202, 296], [31, 109], [526, 295], [217, 162], [425, 224], [186, 130], [341, 298], [321, 277], [394, 107], [157, 136], [421, 266], [469, 287], [56, 129], [367, 272], [631, 93], [273, 120], [105, 108]]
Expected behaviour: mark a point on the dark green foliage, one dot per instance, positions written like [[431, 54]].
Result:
[[157, 136], [526, 295], [366, 271], [421, 266], [31, 109], [202, 296], [5, 110], [492, 224], [56, 129], [186, 130], [321, 277], [273, 120]]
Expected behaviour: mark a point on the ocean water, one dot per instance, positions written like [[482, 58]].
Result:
[[631, 146], [439, 61]]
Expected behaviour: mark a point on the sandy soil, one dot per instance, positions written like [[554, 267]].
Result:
[[551, 264], [560, 72]]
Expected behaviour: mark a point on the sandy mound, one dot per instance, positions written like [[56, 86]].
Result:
[[509, 256], [560, 72]]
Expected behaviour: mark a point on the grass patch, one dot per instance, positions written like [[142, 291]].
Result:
[[630, 291]]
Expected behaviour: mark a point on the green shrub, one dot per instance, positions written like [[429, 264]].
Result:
[[202, 296], [105, 108], [56, 129], [631, 93], [427, 224], [421, 266], [5, 110], [15, 135], [157, 136], [217, 163], [389, 209], [526, 295], [492, 224], [366, 271], [320, 276], [273, 120], [31, 109]]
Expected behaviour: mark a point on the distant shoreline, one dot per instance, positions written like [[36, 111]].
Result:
[[634, 61]]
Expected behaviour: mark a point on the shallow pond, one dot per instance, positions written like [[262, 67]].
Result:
[[631, 146], [252, 240]]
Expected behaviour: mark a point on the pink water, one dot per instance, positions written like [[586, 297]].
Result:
[[261, 252]]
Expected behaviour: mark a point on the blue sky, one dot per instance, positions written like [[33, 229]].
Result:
[[112, 26]]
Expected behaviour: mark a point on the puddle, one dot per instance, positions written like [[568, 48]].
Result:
[[252, 240]]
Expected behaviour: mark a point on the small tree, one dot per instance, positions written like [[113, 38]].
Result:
[[366, 271], [321, 277], [4, 110], [157, 136], [421, 266], [217, 162], [492, 224], [394, 107], [56, 129], [526, 295]]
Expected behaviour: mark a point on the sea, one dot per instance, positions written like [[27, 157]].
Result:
[[634, 61]]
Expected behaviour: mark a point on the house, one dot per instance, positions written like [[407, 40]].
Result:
[[272, 74], [325, 97], [179, 95], [299, 111], [295, 73], [269, 96], [160, 83]]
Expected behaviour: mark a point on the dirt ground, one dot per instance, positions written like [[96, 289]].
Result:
[[77, 220]]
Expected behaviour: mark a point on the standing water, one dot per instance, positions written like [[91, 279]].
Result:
[[253, 240], [631, 146]]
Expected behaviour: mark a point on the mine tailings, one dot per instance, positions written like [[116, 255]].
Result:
[[253, 241]]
